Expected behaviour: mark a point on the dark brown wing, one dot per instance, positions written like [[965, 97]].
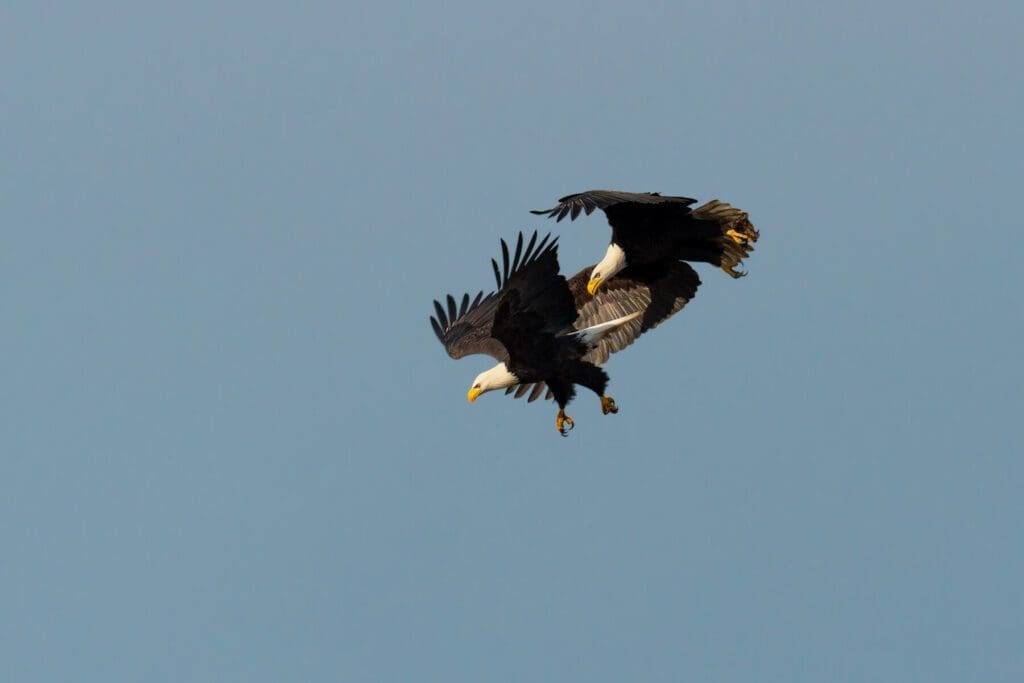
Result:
[[465, 329], [534, 306], [572, 205], [659, 290]]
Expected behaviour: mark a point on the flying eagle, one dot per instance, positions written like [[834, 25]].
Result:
[[547, 332], [648, 228]]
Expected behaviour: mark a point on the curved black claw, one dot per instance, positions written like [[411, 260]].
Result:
[[608, 405], [733, 273]]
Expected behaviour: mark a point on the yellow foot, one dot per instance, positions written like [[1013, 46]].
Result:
[[562, 421], [737, 237], [608, 405]]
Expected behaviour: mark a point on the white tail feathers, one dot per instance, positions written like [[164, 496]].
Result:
[[592, 335]]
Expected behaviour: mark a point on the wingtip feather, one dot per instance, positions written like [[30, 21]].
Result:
[[529, 248], [440, 313], [504, 261], [453, 311]]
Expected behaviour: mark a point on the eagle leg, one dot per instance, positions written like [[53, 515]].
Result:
[[561, 421], [608, 405]]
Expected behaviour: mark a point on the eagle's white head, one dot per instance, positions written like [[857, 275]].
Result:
[[497, 377], [614, 261]]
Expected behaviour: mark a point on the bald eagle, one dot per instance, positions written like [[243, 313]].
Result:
[[649, 228], [547, 332]]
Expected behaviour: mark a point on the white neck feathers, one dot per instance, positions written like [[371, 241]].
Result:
[[614, 261], [497, 377]]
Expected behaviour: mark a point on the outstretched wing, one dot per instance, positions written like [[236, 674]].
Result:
[[467, 328], [534, 306], [572, 205], [658, 290]]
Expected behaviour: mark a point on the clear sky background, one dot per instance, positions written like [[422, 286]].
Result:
[[232, 449]]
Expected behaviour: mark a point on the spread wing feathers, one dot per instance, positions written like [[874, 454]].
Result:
[[466, 328], [572, 205], [468, 331], [535, 300], [657, 291], [522, 258]]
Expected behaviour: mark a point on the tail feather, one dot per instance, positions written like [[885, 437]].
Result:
[[736, 235], [590, 336]]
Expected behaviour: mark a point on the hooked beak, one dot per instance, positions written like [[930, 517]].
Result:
[[473, 393], [593, 285]]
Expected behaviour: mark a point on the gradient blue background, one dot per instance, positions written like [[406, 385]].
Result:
[[232, 449]]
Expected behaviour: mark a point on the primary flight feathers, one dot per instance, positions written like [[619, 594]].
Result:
[[465, 330], [573, 204], [550, 333]]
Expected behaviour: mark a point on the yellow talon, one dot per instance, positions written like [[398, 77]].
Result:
[[561, 421], [608, 405]]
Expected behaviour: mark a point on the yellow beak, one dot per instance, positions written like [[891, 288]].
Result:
[[473, 393], [593, 285]]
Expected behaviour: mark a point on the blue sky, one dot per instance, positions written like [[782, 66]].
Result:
[[233, 449]]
